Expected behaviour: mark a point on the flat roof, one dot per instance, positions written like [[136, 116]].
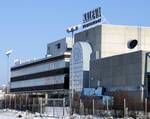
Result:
[[40, 61]]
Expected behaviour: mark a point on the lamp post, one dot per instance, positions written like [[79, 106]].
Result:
[[71, 30], [8, 53]]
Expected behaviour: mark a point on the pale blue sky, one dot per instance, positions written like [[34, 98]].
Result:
[[26, 26]]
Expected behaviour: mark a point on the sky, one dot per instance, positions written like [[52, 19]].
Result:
[[26, 26]]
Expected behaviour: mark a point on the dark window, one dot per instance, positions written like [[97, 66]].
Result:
[[69, 49], [148, 78], [148, 86], [58, 46], [48, 48]]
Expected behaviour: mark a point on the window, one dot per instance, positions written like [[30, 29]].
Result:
[[69, 49], [148, 83], [58, 45], [48, 49]]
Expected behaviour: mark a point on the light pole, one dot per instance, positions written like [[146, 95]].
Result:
[[71, 30], [8, 53]]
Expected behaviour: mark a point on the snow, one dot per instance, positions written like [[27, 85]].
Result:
[[13, 114], [7, 115]]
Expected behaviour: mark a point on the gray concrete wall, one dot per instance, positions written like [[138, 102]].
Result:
[[113, 63], [120, 72], [93, 36], [54, 50], [110, 40]]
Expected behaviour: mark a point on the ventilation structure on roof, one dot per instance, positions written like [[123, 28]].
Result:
[[132, 43]]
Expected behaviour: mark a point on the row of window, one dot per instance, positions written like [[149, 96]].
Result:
[[39, 82], [39, 68]]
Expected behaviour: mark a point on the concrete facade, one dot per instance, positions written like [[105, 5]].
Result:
[[117, 71], [93, 37], [109, 40], [114, 64], [80, 66], [59, 47], [125, 72]]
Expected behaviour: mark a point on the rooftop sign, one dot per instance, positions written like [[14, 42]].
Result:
[[92, 17]]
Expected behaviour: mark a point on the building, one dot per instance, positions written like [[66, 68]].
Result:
[[126, 72], [114, 57], [48, 75], [117, 58]]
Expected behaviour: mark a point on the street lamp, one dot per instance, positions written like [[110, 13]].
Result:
[[8, 53], [72, 29]]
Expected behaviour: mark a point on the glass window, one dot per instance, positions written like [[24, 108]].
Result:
[[58, 45]]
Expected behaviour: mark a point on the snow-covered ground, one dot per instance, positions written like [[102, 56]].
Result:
[[13, 114], [7, 116]]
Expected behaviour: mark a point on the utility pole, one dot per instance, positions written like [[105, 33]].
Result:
[[8, 53]]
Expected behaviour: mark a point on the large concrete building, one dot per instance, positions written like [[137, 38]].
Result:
[[108, 40], [117, 60], [49, 75], [114, 57]]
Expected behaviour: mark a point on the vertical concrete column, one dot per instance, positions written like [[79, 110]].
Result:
[[26, 101], [20, 102], [63, 107], [41, 105], [15, 106], [93, 106], [46, 98], [145, 108], [33, 105]]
